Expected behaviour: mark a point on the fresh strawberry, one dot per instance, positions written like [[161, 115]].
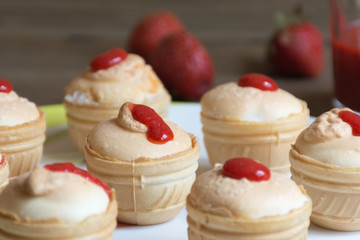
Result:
[[150, 30], [184, 66], [298, 50]]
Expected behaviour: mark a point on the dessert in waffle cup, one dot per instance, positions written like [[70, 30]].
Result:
[[22, 131], [96, 95], [151, 180], [31, 207], [251, 122], [325, 160], [221, 207]]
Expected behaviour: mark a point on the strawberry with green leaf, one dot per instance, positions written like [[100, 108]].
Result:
[[297, 49]]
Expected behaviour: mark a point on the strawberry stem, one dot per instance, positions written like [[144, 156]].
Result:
[[298, 13], [281, 20]]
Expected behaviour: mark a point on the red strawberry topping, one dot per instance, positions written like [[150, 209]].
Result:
[[259, 81], [239, 168], [352, 119], [5, 86], [71, 168], [2, 161], [159, 132], [108, 59]]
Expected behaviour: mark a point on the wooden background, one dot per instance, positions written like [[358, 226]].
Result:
[[44, 44]]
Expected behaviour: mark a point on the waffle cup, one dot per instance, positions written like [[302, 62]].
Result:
[[267, 142], [81, 119], [335, 192], [208, 226], [23, 145], [149, 191], [14, 227]]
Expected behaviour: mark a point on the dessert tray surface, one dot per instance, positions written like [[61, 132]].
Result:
[[58, 148]]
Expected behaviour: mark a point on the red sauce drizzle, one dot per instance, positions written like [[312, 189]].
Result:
[[258, 81], [5, 86], [352, 119], [71, 168], [2, 161], [158, 131], [108, 59], [238, 168]]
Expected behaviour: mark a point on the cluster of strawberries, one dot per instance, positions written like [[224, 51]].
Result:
[[186, 68], [177, 56]]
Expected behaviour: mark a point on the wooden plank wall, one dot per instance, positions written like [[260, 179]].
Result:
[[46, 43]]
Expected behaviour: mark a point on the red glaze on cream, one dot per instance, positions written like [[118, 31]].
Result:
[[158, 131], [108, 59], [258, 81], [238, 168], [5, 86], [2, 161], [353, 120], [71, 168]]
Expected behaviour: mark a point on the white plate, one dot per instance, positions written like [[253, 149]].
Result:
[[58, 148]]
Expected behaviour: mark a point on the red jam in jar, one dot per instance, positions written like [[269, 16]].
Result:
[[346, 62]]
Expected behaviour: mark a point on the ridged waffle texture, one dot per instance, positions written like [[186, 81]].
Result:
[[13, 227], [267, 142], [207, 226], [149, 191], [23, 145], [335, 191]]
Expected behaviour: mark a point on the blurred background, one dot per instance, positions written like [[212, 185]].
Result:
[[44, 44]]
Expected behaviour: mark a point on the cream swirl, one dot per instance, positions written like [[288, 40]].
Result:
[[15, 110], [125, 119], [214, 193], [130, 80], [123, 138], [229, 101], [330, 140], [328, 126], [44, 195]]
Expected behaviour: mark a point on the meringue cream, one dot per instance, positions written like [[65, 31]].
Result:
[[228, 197], [15, 110], [330, 140], [44, 194], [229, 101], [132, 79], [133, 143]]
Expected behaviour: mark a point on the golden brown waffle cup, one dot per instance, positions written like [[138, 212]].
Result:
[[335, 191], [149, 191], [81, 119], [267, 142], [207, 226], [23, 145], [4, 176], [14, 227]]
